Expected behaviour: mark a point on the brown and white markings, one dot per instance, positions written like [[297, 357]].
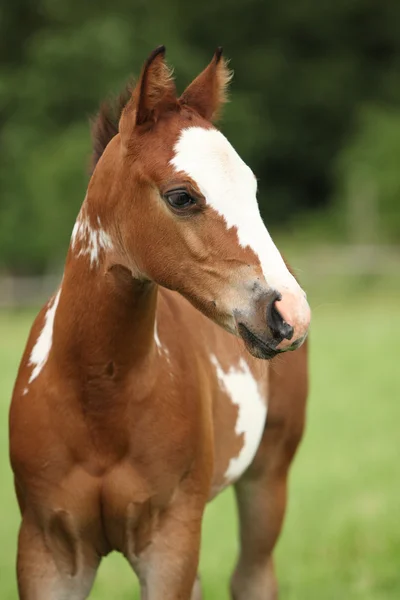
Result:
[[141, 393]]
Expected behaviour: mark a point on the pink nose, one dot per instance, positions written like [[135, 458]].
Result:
[[289, 319]]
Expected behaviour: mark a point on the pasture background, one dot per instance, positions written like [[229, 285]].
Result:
[[341, 537], [316, 112]]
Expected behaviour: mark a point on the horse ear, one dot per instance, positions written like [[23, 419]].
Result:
[[208, 92], [155, 90], [153, 94]]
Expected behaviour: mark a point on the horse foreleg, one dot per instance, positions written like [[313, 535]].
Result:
[[167, 567], [261, 507], [52, 569], [261, 493]]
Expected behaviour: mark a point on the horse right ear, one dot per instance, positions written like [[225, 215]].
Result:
[[208, 92], [154, 93]]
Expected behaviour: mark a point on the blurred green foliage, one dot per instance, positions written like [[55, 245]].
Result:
[[302, 69], [368, 176]]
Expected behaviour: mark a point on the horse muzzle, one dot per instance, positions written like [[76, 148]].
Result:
[[278, 322]]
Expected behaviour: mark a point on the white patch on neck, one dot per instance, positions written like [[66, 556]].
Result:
[[240, 385], [230, 187], [41, 349], [92, 240]]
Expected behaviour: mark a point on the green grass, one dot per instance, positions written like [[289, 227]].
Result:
[[341, 538]]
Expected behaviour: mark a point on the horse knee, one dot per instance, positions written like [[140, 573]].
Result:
[[254, 582], [197, 592]]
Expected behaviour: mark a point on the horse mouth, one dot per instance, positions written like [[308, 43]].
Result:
[[255, 345]]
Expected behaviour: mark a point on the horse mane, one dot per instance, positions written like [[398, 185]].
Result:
[[104, 126]]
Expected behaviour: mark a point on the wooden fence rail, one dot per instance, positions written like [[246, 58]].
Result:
[[312, 264]]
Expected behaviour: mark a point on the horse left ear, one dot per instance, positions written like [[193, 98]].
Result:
[[154, 93], [208, 92]]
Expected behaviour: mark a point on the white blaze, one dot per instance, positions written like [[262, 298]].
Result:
[[41, 349], [230, 187], [240, 385]]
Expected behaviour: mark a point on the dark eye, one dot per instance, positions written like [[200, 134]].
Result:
[[179, 199]]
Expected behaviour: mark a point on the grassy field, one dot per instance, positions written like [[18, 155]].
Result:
[[342, 537]]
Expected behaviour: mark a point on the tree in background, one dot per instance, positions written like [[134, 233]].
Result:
[[302, 69]]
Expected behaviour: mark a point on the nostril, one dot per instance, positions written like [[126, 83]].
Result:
[[277, 324]]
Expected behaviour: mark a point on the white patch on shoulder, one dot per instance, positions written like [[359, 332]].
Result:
[[92, 239], [230, 187], [41, 349], [241, 386]]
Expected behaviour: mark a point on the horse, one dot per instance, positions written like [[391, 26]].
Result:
[[144, 386]]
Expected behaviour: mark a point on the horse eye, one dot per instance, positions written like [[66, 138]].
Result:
[[179, 199]]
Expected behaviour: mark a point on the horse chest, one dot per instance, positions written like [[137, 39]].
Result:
[[240, 411]]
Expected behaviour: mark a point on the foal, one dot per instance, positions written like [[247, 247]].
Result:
[[135, 404]]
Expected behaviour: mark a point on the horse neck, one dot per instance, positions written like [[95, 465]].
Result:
[[105, 316]]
